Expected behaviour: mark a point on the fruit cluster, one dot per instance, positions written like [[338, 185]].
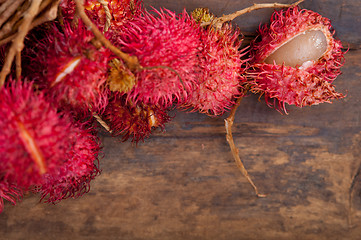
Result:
[[49, 142]]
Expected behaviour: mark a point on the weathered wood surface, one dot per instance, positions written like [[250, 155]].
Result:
[[344, 14], [183, 184]]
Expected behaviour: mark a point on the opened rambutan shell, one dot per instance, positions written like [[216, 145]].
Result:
[[135, 121], [70, 69], [166, 46], [221, 71], [294, 84]]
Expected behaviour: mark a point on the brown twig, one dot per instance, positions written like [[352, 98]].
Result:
[[18, 42], [108, 15], [18, 65], [102, 122], [130, 61], [217, 22], [228, 124], [48, 15], [9, 10], [10, 27]]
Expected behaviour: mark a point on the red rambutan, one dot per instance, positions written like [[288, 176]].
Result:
[[33, 138], [9, 192], [295, 59], [221, 69], [135, 121], [36, 139], [120, 11], [166, 46], [72, 178], [70, 69]]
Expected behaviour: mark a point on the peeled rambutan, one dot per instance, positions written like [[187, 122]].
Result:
[[133, 120], [295, 59], [221, 71], [166, 46], [72, 178], [9, 192], [70, 69]]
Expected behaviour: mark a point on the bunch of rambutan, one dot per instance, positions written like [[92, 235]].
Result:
[[49, 142]]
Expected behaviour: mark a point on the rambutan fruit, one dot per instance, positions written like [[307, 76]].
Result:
[[166, 46], [133, 120], [221, 71], [120, 11], [9, 192], [295, 59], [33, 139], [70, 69], [72, 178], [36, 139]]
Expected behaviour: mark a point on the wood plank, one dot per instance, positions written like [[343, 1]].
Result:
[[343, 14], [183, 183]]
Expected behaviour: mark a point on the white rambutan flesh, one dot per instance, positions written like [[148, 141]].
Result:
[[307, 46]]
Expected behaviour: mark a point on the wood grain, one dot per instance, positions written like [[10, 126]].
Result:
[[183, 183]]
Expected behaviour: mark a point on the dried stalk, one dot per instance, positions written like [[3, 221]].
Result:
[[8, 10], [18, 42], [217, 22], [18, 65], [131, 61], [108, 15], [102, 122], [228, 124], [10, 26]]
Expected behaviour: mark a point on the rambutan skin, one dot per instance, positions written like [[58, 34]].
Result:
[[33, 139], [135, 121], [72, 178], [42, 148], [166, 46], [70, 69], [298, 87], [9, 192], [221, 71], [308, 84], [120, 11]]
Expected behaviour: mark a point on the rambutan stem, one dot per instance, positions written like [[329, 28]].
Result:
[[102, 122], [217, 22], [18, 65], [18, 43], [108, 15], [29, 21], [8, 29], [228, 124], [131, 61]]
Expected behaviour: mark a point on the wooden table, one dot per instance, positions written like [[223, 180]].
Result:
[[184, 184]]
